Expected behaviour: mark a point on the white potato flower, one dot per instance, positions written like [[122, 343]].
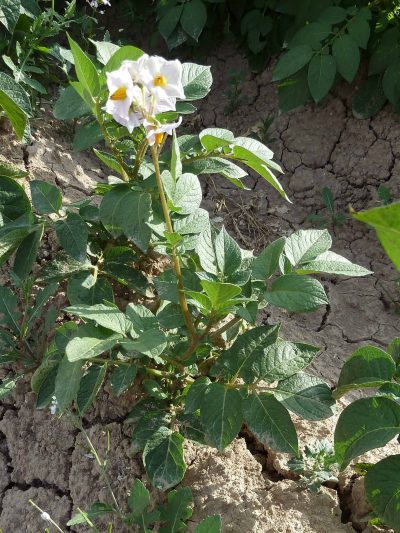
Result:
[[155, 133], [121, 89], [141, 89], [163, 78]]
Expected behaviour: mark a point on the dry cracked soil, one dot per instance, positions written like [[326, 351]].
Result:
[[45, 459]]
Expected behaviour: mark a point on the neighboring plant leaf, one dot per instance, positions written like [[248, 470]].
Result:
[[163, 459], [270, 422]]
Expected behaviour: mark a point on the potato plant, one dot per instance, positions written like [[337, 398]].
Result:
[[371, 422], [188, 336]]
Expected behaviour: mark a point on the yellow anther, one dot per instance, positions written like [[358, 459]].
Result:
[[160, 81], [159, 138], [119, 94]]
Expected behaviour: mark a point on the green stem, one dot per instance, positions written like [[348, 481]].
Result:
[[52, 12], [100, 463], [139, 156], [175, 259], [87, 520], [42, 512], [227, 326]]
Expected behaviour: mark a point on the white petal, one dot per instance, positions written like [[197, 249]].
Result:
[[118, 78], [155, 64], [118, 107]]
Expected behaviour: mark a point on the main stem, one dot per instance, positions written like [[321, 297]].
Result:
[[175, 258]]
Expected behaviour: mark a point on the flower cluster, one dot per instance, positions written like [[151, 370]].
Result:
[[140, 90], [94, 4]]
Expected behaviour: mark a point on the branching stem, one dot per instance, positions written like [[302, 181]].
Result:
[[175, 259]]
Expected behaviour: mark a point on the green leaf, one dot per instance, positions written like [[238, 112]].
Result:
[[366, 367], [333, 14], [120, 267], [364, 425], [62, 267], [221, 415], [359, 30], [86, 136], [85, 71], [307, 396], [394, 349], [258, 157], [196, 81], [90, 341], [163, 459], [176, 511], [72, 234], [68, 379], [42, 298], [114, 207], [206, 251], [9, 14], [227, 252], [294, 92], [245, 352], [386, 222], [292, 61], [139, 498], [194, 223], [170, 21], [196, 393], [150, 422], [279, 360], [11, 171], [311, 34], [70, 105], [97, 510], [84, 288], [151, 342], [89, 387], [213, 138], [321, 75], [332, 263], [7, 385], [266, 264], [176, 164], [270, 422], [104, 50], [122, 378], [382, 488], [296, 293], [194, 18], [220, 294], [27, 253], [14, 202], [110, 317], [15, 103], [130, 53], [211, 524], [142, 318], [391, 83], [9, 309], [185, 193], [110, 161], [46, 198], [305, 245], [11, 236], [347, 57], [370, 98]]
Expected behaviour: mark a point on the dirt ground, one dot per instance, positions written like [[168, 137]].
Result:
[[44, 459]]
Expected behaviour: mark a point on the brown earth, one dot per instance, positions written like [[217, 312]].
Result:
[[45, 459]]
